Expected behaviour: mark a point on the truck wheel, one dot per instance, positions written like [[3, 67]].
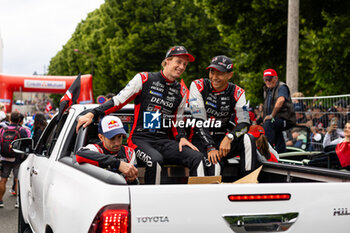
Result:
[[22, 226]]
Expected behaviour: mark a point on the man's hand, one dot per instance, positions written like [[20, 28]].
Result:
[[225, 147], [84, 120], [332, 128], [128, 170], [268, 118], [214, 156], [185, 142]]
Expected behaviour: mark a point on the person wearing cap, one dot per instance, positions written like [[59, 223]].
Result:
[[279, 112], [159, 95], [218, 99], [264, 149], [109, 152]]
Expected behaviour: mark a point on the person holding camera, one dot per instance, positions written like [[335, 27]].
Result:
[[333, 136]]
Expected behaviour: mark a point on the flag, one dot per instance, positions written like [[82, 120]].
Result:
[[70, 97], [48, 106]]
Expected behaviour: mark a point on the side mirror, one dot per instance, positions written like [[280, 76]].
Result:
[[23, 145]]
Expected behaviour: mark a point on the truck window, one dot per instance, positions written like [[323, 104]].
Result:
[[49, 139]]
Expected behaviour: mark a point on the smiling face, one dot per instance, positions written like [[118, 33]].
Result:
[[219, 80], [347, 130], [112, 144], [175, 66]]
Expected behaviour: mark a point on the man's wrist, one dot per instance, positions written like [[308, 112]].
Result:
[[230, 136]]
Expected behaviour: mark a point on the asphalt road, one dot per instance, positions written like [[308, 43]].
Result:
[[8, 214]]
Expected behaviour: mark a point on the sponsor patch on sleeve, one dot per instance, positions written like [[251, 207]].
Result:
[[238, 92]]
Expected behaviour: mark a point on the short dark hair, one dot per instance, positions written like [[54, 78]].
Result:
[[110, 95], [15, 117]]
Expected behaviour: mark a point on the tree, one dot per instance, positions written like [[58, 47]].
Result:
[[130, 36]]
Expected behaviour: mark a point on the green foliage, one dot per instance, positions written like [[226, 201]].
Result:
[[124, 37], [127, 37], [325, 56], [256, 31]]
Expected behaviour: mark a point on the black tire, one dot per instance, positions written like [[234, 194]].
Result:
[[22, 226]]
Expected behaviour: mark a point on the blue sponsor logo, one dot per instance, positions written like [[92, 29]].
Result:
[[151, 120], [156, 93], [211, 104]]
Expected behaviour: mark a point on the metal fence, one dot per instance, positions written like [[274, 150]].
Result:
[[319, 113]]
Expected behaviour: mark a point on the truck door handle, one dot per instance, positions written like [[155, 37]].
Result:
[[261, 222]]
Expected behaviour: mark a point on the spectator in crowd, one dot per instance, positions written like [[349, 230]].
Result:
[[156, 95], [340, 158], [2, 112], [109, 152], [259, 113], [279, 112], [39, 125], [24, 126], [301, 119], [6, 121], [109, 96], [343, 148], [333, 113], [344, 116], [319, 118], [333, 136], [299, 102], [317, 135], [296, 138], [252, 116], [218, 98], [10, 160], [264, 149]]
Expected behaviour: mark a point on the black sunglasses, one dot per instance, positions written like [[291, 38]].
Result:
[[268, 78]]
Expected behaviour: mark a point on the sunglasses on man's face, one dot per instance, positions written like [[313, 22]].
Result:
[[268, 78]]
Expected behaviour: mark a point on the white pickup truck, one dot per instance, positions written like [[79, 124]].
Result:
[[58, 195]]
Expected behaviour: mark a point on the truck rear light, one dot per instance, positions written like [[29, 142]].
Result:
[[112, 219], [260, 197]]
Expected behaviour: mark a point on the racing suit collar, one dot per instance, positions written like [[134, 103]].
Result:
[[111, 152], [166, 79], [218, 90]]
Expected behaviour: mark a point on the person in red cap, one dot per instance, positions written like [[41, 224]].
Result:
[[279, 112], [263, 146], [220, 100], [157, 95]]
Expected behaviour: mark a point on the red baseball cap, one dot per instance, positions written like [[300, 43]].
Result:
[[270, 72], [256, 130]]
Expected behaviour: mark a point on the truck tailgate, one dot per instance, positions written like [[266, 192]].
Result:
[[312, 207]]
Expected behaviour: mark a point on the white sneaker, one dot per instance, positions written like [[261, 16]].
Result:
[[16, 205], [1, 204]]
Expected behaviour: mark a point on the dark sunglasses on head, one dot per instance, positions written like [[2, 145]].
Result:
[[268, 78]]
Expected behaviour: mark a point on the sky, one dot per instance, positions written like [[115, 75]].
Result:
[[33, 31]]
